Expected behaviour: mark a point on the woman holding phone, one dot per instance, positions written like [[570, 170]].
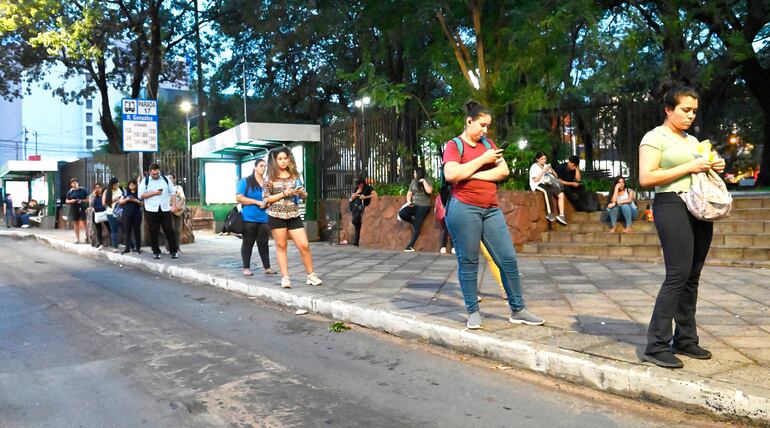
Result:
[[474, 215], [282, 190]]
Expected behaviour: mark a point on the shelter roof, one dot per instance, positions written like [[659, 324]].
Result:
[[26, 168], [249, 138]]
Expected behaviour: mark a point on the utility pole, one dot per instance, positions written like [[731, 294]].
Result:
[[35, 134], [245, 116], [26, 140]]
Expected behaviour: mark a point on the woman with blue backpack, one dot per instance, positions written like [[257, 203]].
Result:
[[473, 165]]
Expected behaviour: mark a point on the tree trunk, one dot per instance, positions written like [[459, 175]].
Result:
[[156, 50], [199, 67], [114, 137]]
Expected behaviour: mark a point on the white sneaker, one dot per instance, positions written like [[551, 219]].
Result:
[[453, 250], [285, 282], [24, 226], [442, 250], [313, 279]]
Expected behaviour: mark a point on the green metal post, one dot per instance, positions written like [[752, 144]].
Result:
[[311, 181], [50, 178]]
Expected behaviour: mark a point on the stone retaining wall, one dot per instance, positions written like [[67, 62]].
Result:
[[524, 213]]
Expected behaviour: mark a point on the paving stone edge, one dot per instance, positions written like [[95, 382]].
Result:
[[682, 390]]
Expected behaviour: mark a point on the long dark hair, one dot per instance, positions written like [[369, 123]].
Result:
[[251, 180], [474, 110], [615, 182], [108, 195], [671, 92], [132, 181], [272, 164]]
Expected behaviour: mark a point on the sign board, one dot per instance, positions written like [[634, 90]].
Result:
[[34, 157], [140, 125]]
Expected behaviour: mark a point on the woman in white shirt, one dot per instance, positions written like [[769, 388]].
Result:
[[621, 201], [543, 179], [110, 199]]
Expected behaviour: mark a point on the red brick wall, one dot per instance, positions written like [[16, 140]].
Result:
[[524, 213]]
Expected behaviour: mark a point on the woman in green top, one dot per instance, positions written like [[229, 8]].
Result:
[[419, 204], [666, 160]]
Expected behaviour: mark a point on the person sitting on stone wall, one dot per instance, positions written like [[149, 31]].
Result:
[[569, 177]]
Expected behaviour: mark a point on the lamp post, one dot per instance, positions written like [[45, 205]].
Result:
[[186, 107], [362, 103]]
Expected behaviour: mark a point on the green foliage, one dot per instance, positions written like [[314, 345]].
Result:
[[386, 189], [226, 122], [338, 327]]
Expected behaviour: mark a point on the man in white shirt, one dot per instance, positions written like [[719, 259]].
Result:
[[156, 191]]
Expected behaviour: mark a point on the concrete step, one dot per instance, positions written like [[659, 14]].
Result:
[[762, 214], [637, 238], [744, 202], [647, 251]]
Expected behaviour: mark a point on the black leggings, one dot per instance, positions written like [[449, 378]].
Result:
[[132, 224], [685, 242], [415, 216], [259, 232]]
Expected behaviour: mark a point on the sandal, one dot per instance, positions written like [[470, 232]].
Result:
[[247, 272], [269, 271]]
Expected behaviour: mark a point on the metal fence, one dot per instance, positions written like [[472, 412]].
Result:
[[605, 136], [378, 145], [102, 167]]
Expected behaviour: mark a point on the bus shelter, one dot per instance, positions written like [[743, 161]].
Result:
[[229, 156], [32, 179]]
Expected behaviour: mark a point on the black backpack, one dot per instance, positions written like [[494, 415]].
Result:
[[147, 179], [233, 222]]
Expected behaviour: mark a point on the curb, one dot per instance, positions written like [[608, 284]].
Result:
[[625, 379]]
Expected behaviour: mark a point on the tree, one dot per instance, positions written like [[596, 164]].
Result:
[[739, 24], [118, 43]]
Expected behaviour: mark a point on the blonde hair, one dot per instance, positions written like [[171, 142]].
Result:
[[272, 164]]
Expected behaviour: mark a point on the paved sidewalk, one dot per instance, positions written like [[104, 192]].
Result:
[[596, 313]]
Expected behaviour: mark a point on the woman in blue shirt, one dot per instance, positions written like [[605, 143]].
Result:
[[254, 213]]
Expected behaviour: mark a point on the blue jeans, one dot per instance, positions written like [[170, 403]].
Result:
[[114, 237], [628, 211], [469, 226]]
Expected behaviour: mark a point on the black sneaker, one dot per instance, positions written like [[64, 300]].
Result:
[[664, 359], [174, 255], [138, 251], [409, 249], [693, 351], [127, 250], [156, 256]]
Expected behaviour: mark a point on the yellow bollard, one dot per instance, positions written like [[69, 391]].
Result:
[[494, 269]]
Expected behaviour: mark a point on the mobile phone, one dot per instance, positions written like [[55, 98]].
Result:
[[504, 145]]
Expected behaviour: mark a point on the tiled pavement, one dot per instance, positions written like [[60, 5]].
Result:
[[598, 308]]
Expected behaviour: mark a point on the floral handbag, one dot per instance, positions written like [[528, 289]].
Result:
[[708, 198]]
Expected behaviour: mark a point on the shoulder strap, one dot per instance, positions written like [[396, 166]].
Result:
[[146, 181], [164, 179], [486, 143], [459, 144]]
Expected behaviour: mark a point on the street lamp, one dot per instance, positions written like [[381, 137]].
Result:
[[186, 107], [362, 103]]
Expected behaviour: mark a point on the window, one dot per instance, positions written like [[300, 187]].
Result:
[[89, 130], [89, 117], [89, 143], [89, 104]]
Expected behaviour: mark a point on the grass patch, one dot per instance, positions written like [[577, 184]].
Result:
[[338, 327]]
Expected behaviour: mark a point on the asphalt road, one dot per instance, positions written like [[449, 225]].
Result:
[[87, 343]]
